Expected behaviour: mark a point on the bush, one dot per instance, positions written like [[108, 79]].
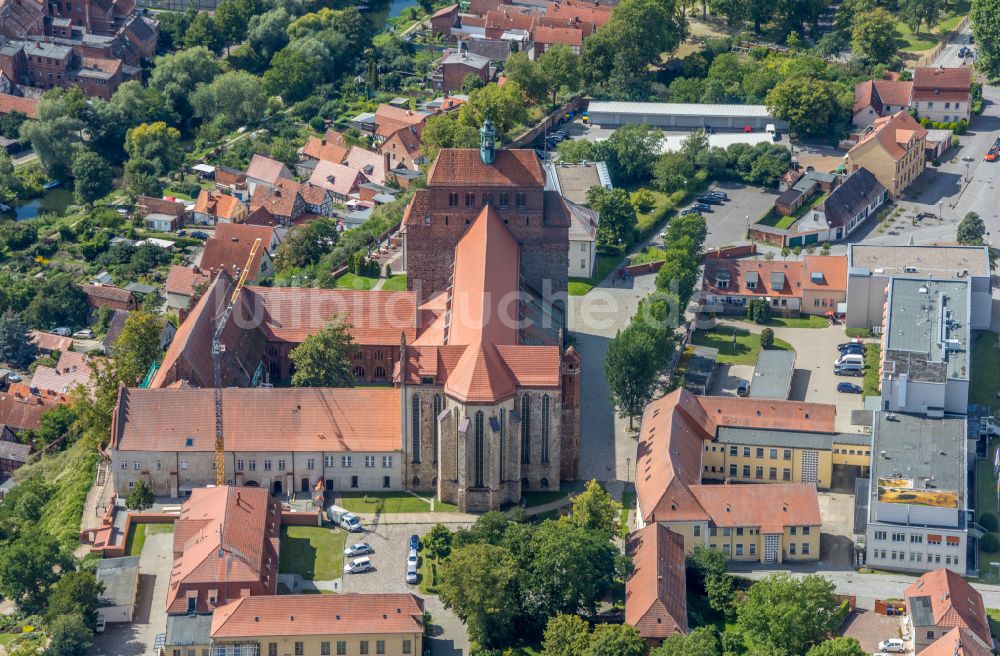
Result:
[[317, 123], [766, 338], [990, 542], [989, 521], [759, 311], [140, 497]]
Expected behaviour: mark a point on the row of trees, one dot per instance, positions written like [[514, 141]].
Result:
[[506, 578], [638, 355]]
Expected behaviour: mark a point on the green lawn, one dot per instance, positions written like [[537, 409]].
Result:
[[429, 573], [664, 204], [605, 265], [993, 615], [775, 220], [542, 497], [872, 384], [312, 552], [628, 503], [911, 42], [389, 502], [805, 321], [985, 373], [744, 352], [986, 501], [351, 281], [137, 533], [864, 333], [396, 283]]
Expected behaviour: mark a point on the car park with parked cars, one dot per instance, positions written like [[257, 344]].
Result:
[[709, 199], [415, 542]]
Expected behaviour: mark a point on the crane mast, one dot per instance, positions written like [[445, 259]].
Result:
[[217, 349]]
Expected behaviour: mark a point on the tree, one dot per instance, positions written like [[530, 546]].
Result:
[[308, 243], [233, 99], [140, 496], [58, 302], [759, 311], [471, 82], [616, 640], [479, 582], [76, 592], [324, 359], [617, 213], [528, 75], [28, 567], [560, 68], [566, 635], [706, 570], [16, 347], [176, 75], [137, 347], [437, 543], [17, 236], [141, 178], [915, 12], [985, 19], [232, 19], [811, 106], [699, 642], [293, 74], [631, 369], [504, 106], [53, 141], [92, 177], [839, 646], [971, 230], [989, 521], [638, 34], [782, 614], [268, 32], [10, 124], [766, 338], [203, 32], [643, 200], [631, 151], [69, 635], [156, 142], [873, 37], [595, 510], [571, 571]]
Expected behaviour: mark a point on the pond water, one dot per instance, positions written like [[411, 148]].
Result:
[[380, 11], [54, 201]]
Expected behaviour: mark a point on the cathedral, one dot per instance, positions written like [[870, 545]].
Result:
[[477, 398]]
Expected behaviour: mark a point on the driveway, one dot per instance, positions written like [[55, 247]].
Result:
[[727, 377], [869, 629], [150, 618], [836, 546], [390, 541], [607, 447]]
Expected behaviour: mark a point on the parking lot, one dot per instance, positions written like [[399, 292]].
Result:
[[389, 559], [869, 628], [813, 380]]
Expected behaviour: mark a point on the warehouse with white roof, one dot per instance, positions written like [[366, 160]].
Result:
[[683, 115]]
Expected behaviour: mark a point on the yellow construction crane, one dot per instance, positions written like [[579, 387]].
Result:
[[217, 348]]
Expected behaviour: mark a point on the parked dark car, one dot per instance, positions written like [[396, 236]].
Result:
[[689, 210], [848, 388], [701, 207], [197, 234], [851, 346], [415, 542], [743, 388], [709, 199], [719, 194], [857, 372]]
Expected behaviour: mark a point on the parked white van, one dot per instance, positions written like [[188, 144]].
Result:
[[850, 358]]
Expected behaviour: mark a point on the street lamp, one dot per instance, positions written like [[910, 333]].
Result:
[[940, 203], [748, 226], [628, 470]]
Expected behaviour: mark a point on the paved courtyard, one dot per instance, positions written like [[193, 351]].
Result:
[[137, 638], [390, 542], [869, 629], [607, 448]]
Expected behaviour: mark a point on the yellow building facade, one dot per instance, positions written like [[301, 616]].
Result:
[[893, 151]]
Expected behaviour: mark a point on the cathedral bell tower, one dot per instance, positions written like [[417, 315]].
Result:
[[487, 142]]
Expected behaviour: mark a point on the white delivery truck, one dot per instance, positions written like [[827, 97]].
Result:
[[344, 519]]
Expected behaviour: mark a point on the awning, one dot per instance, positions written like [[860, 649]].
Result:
[[203, 168]]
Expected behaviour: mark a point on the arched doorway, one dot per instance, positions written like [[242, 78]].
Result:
[[276, 488]]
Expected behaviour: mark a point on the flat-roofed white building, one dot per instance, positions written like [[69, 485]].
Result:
[[918, 516], [682, 115], [870, 266]]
